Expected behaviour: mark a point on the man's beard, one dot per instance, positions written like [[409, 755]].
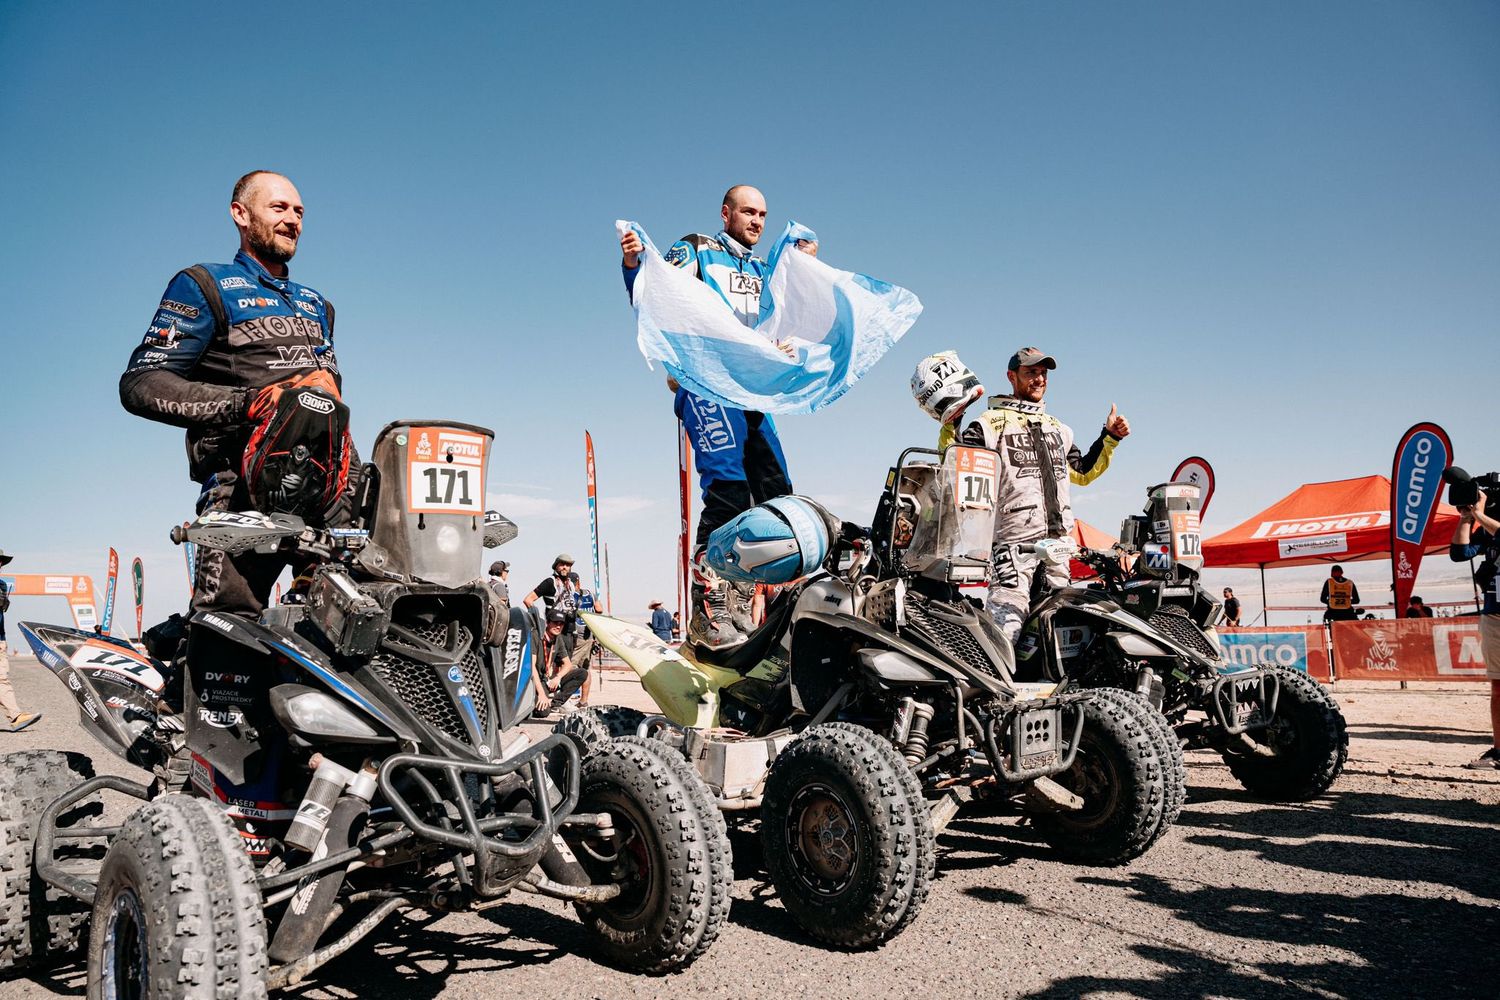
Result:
[[263, 245]]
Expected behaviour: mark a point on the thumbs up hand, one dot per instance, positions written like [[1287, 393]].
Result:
[[1116, 424]]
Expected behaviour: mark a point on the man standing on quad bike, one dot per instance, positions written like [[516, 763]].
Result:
[[226, 345], [1038, 461], [739, 458]]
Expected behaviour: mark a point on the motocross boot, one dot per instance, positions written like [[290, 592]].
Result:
[[740, 597], [712, 626]]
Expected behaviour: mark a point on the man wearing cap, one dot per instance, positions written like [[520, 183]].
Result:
[[661, 622], [499, 580], [557, 591], [16, 720], [1340, 596], [1038, 461]]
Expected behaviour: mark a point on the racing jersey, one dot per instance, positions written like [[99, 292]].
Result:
[[1038, 461], [723, 264], [190, 373]]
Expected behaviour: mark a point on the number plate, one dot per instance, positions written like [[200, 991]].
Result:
[[975, 488], [1187, 539], [445, 471]]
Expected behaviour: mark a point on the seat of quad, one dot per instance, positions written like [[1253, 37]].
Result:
[[748, 655]]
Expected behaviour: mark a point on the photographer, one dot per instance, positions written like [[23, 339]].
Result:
[[1478, 534]]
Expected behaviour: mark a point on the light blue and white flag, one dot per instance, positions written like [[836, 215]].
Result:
[[820, 329]]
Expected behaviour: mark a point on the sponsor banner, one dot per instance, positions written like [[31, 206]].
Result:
[[1416, 484], [77, 590], [110, 580], [138, 580], [1300, 647], [593, 495], [1405, 649], [1321, 545], [1302, 527], [1197, 471]]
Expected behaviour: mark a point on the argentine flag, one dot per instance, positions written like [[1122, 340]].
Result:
[[831, 325]]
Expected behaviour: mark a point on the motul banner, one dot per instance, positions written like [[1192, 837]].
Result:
[[593, 487], [1416, 485], [1300, 647], [1407, 649], [138, 578], [111, 579], [1197, 471]]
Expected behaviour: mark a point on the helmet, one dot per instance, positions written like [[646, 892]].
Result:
[[943, 386], [777, 542], [297, 458]]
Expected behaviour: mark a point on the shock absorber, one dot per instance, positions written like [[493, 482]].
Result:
[[915, 750]]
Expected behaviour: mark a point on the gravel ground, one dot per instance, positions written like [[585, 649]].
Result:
[[1385, 887]]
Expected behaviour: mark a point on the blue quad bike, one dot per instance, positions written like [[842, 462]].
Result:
[[340, 759]]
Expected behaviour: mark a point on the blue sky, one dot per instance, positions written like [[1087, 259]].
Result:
[[1268, 232]]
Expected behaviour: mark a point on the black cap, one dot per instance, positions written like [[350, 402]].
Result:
[[1032, 356], [556, 616], [4, 558], [1337, 569], [498, 566]]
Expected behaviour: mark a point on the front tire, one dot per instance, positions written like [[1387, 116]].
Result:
[[39, 925], [177, 913], [1309, 738], [1169, 749], [846, 835], [670, 853], [1119, 773], [598, 724]]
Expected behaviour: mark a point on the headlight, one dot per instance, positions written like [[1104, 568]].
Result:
[[316, 716]]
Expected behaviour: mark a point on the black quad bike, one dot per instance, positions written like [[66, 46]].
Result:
[[874, 701], [346, 757], [1147, 626]]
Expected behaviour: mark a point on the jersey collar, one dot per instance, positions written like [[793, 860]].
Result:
[[1019, 405], [258, 269], [734, 246]]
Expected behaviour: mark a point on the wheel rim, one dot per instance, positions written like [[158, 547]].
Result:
[[628, 858], [822, 837], [127, 976], [1095, 778]]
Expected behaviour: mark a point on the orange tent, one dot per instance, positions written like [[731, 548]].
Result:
[[1348, 520], [1089, 537]]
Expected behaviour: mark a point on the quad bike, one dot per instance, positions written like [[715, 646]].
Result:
[[1150, 629], [347, 756], [874, 701]]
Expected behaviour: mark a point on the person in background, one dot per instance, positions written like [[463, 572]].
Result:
[[557, 591], [500, 580], [1339, 597], [16, 720], [676, 626], [1478, 534], [1416, 609], [1231, 608], [583, 639], [661, 622]]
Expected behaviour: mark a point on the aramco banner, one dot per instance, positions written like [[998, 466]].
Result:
[[593, 495], [110, 582], [1416, 484], [1197, 471], [1300, 647]]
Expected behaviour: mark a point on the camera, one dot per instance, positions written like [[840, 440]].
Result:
[[1465, 490]]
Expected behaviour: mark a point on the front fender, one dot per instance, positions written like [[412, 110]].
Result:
[[686, 691]]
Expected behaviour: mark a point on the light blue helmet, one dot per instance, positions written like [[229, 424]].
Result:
[[777, 542]]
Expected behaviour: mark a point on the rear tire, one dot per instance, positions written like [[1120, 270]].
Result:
[[1310, 740], [177, 914], [847, 836], [1169, 749], [671, 853], [1120, 775], [598, 724], [39, 925]]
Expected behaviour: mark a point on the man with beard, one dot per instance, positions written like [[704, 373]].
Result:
[[737, 452], [227, 341], [1038, 461]]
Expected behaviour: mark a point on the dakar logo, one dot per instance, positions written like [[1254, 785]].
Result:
[[424, 446], [1403, 567], [1381, 656]]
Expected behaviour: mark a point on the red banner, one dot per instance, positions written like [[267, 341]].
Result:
[[593, 498], [1407, 649], [1422, 454], [1197, 471]]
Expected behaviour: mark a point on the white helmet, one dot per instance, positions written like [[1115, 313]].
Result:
[[943, 386]]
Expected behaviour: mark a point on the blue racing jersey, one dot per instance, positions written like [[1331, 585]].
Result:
[[723, 264]]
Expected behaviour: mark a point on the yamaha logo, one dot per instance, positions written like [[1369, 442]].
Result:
[[314, 402]]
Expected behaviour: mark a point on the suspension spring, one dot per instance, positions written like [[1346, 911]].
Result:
[[915, 750]]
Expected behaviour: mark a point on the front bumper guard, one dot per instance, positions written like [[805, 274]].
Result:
[[1226, 699], [1035, 742]]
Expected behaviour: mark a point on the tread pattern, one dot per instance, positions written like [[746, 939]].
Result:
[[1121, 729], [888, 894], [1169, 749], [598, 724], [697, 871], [38, 924], [1322, 745], [206, 933]]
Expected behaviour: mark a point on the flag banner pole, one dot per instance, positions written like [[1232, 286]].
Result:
[[1422, 454], [609, 604], [111, 580], [138, 581]]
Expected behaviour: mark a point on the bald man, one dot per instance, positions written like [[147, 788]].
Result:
[[226, 341], [739, 458]]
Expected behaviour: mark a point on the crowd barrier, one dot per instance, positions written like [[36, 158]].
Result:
[[1403, 649]]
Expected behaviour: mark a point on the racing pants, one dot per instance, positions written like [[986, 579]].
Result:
[[1014, 584], [238, 585]]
